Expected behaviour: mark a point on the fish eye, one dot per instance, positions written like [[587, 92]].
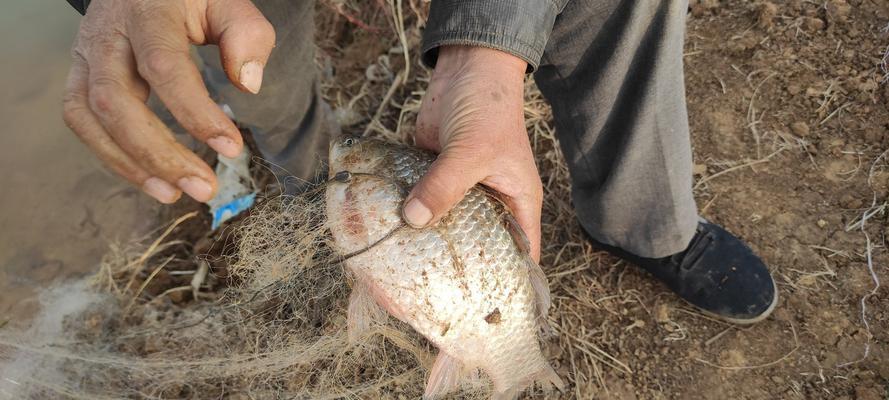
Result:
[[343, 176], [349, 141]]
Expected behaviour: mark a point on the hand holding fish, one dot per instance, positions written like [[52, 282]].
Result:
[[472, 115]]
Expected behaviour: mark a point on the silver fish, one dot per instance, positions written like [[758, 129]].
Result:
[[467, 283]]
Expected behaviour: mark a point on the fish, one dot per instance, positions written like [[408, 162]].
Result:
[[467, 283]]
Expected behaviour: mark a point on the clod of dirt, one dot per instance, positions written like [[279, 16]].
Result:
[[701, 7], [766, 13], [800, 128], [867, 393], [813, 24], [838, 11]]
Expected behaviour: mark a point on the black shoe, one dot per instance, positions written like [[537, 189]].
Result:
[[717, 273]]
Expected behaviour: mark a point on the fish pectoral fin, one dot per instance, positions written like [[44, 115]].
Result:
[[363, 312], [444, 376], [541, 296]]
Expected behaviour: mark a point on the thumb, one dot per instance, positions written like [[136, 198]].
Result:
[[245, 38], [443, 186]]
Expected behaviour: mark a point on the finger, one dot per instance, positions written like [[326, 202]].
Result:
[[161, 47], [443, 186], [81, 120], [245, 38], [116, 101]]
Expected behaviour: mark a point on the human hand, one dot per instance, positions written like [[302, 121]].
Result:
[[473, 116], [126, 48]]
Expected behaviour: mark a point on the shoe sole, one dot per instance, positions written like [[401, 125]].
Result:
[[743, 321]]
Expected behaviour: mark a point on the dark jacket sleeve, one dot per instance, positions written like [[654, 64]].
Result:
[[80, 5], [518, 27]]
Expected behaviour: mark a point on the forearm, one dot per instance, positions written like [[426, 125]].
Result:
[[518, 27]]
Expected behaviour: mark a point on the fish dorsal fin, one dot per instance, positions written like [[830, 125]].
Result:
[[444, 376], [535, 273], [541, 296], [363, 312]]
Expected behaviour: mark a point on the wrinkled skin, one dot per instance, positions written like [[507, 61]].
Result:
[[472, 116]]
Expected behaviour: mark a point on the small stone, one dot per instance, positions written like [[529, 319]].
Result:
[[813, 92], [800, 128], [850, 202], [821, 223], [766, 13], [777, 379], [794, 89], [178, 296], [699, 169]]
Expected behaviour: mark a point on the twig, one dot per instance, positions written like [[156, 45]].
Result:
[[198, 279], [766, 365], [717, 336], [396, 83], [829, 116], [150, 251], [609, 359], [862, 224], [144, 284], [737, 167], [751, 110]]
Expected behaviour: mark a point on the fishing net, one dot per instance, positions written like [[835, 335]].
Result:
[[276, 330]]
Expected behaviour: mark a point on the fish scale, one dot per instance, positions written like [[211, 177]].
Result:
[[463, 283]]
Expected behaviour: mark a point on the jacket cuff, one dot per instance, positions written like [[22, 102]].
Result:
[[518, 27], [80, 5]]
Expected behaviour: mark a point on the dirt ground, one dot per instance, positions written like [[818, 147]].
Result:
[[788, 110]]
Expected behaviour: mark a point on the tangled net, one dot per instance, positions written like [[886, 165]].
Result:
[[277, 329]]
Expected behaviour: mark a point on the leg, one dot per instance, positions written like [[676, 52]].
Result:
[[287, 116], [612, 71]]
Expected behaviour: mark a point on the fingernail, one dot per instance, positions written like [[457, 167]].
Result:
[[416, 214], [197, 188], [251, 76], [225, 145], [160, 190]]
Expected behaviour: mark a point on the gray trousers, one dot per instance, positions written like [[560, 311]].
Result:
[[612, 71]]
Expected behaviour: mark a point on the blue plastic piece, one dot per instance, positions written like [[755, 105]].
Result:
[[232, 208]]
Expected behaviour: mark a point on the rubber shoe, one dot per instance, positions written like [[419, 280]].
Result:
[[717, 273]]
